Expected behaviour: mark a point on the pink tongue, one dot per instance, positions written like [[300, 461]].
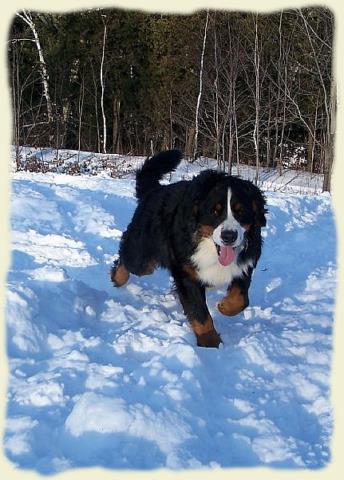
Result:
[[226, 255]]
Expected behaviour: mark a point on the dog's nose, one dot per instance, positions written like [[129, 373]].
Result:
[[229, 236]]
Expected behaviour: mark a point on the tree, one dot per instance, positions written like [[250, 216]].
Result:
[[102, 84], [239, 87], [195, 152], [29, 20]]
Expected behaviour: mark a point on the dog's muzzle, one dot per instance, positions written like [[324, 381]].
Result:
[[229, 237]]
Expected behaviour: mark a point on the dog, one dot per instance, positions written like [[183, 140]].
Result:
[[205, 231]]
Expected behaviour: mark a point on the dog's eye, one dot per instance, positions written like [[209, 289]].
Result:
[[217, 210], [238, 210], [242, 215]]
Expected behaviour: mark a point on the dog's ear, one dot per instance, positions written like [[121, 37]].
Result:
[[259, 210], [205, 182], [200, 187], [258, 203]]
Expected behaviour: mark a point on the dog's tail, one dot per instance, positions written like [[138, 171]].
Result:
[[154, 168]]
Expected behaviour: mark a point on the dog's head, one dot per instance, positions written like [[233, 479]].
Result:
[[226, 209]]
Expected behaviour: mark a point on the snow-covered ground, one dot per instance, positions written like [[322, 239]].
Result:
[[113, 377]]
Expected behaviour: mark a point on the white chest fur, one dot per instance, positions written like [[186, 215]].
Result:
[[210, 271]]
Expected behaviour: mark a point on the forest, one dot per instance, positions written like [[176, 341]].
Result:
[[240, 87]]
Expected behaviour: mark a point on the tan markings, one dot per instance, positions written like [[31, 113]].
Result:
[[191, 271], [119, 275], [150, 269], [205, 333], [237, 208], [205, 231], [233, 303], [247, 226]]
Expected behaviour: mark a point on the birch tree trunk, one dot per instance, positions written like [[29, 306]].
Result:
[[200, 87], [217, 123], [329, 143], [280, 163], [116, 128], [268, 133], [16, 102], [278, 99], [96, 108], [312, 141], [256, 132], [102, 84], [27, 18], [80, 111], [236, 136]]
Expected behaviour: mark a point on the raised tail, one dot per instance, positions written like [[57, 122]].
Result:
[[154, 168]]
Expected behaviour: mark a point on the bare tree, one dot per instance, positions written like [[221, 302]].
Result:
[[16, 102], [216, 88], [329, 102], [102, 84], [116, 136], [256, 131], [231, 77], [330, 138], [94, 78], [80, 112], [27, 18], [200, 86]]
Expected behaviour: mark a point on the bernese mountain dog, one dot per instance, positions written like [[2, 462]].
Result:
[[205, 231]]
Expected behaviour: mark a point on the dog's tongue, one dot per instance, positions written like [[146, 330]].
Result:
[[226, 255]]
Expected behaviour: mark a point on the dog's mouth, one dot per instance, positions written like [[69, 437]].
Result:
[[226, 254]]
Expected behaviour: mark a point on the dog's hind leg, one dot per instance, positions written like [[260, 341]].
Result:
[[147, 269], [136, 256]]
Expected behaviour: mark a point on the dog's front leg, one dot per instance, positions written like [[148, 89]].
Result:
[[236, 299], [192, 296]]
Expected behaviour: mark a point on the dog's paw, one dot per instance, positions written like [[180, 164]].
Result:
[[210, 339], [228, 308]]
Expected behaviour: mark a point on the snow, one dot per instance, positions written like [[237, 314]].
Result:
[[113, 377], [120, 166]]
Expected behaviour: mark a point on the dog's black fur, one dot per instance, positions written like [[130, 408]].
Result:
[[170, 221]]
